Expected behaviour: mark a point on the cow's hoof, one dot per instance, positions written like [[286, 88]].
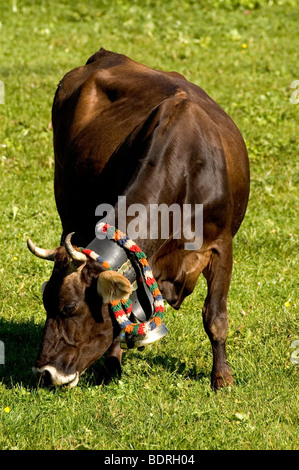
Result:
[[221, 380], [111, 370]]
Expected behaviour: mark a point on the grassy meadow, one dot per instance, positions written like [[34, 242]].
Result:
[[245, 55]]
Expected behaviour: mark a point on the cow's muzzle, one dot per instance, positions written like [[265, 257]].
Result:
[[49, 376]]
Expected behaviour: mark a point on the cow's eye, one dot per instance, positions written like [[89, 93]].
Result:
[[69, 309]]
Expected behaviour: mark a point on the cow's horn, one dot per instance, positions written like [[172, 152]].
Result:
[[40, 252], [74, 254]]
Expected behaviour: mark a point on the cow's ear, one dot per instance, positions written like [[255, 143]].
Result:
[[113, 286]]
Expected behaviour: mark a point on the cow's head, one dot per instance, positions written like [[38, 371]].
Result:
[[79, 328]]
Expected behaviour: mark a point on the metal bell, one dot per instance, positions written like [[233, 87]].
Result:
[[131, 341]]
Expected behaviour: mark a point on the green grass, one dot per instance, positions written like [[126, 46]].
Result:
[[246, 58]]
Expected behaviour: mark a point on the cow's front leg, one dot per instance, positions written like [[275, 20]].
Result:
[[112, 365], [218, 275]]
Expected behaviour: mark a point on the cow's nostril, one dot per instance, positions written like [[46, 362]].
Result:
[[50, 377], [46, 378]]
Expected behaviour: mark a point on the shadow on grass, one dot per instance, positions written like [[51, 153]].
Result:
[[21, 345], [176, 365], [173, 365]]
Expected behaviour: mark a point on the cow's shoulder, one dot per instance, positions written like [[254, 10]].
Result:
[[106, 59], [115, 75]]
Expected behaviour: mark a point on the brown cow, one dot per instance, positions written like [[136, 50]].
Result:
[[121, 128]]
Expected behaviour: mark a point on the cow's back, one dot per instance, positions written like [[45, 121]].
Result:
[[99, 105]]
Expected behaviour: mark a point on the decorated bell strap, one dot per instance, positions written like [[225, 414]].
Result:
[[96, 257], [122, 308]]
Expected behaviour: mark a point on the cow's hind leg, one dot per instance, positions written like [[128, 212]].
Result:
[[218, 275]]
